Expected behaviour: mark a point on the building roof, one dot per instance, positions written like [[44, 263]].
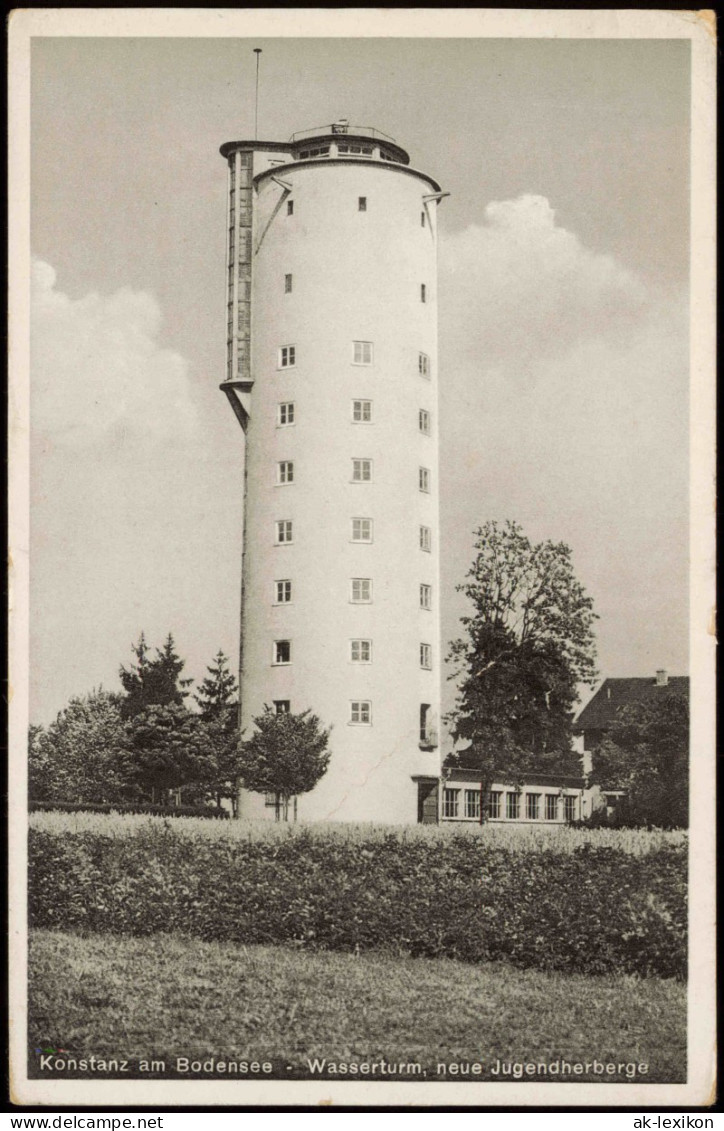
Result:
[[551, 781], [601, 710]]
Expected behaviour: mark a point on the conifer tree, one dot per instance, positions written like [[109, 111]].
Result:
[[218, 690], [219, 707], [153, 682]]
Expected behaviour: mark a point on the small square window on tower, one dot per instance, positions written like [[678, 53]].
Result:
[[362, 204], [360, 651], [361, 470], [287, 284], [287, 357], [282, 706], [362, 412], [361, 591], [360, 712], [362, 353], [361, 529], [290, 208], [282, 653]]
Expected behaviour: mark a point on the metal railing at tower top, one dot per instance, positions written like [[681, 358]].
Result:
[[342, 127]]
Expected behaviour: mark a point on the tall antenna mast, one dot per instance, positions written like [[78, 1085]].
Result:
[[257, 52]]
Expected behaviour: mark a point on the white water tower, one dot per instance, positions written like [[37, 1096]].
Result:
[[332, 373]]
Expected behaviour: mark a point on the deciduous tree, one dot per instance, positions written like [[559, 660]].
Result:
[[286, 755], [528, 643], [80, 757]]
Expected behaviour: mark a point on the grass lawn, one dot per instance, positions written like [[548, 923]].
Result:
[[166, 996]]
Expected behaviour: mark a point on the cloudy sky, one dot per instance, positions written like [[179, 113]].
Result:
[[563, 322]]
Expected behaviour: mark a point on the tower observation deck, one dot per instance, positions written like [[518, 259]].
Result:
[[332, 373]]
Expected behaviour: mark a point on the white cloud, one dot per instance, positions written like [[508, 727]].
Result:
[[564, 389], [98, 370], [519, 288]]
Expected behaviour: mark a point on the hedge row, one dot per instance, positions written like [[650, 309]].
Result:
[[594, 910], [139, 807]]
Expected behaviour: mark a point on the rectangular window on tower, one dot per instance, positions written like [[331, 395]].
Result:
[[423, 293], [426, 539], [426, 596], [426, 736], [290, 208], [283, 530], [285, 413], [424, 480], [285, 472], [287, 357], [361, 591], [423, 364], [424, 421], [362, 412], [362, 353], [426, 656], [282, 592], [361, 470], [362, 204], [360, 712], [361, 529], [287, 284], [282, 653], [360, 651], [422, 219]]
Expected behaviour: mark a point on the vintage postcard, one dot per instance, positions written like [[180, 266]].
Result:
[[362, 495]]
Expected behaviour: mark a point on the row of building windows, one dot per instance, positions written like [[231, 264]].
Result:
[[362, 354], [537, 806], [361, 414], [361, 473], [360, 590], [361, 531], [360, 652]]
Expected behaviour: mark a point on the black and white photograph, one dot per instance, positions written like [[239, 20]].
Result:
[[362, 550]]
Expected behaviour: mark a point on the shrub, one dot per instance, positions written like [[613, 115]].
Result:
[[592, 909], [136, 807]]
